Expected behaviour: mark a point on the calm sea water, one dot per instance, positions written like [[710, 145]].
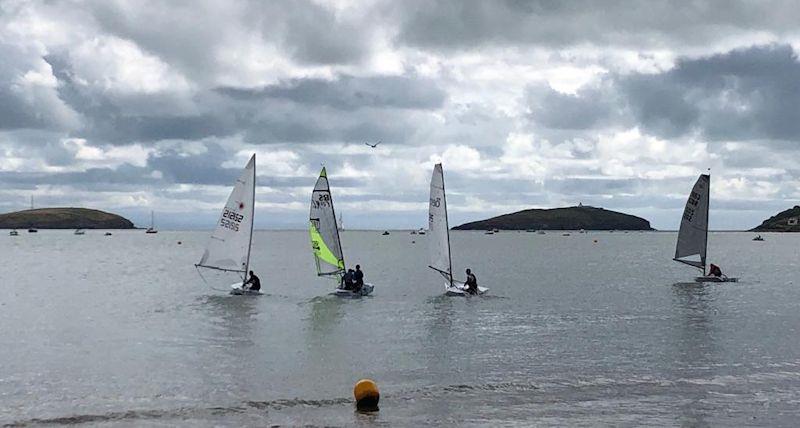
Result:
[[122, 330]]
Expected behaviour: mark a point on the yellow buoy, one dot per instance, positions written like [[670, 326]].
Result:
[[366, 395]]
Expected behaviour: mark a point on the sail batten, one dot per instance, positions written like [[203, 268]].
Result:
[[693, 233], [438, 226], [228, 248], [323, 229]]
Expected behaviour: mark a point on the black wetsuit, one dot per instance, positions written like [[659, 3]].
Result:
[[347, 280], [255, 281], [358, 276], [472, 284]]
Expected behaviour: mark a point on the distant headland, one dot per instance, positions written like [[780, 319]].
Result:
[[568, 218], [63, 218], [784, 221]]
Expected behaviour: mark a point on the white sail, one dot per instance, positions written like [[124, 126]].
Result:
[[438, 227], [693, 234], [229, 246]]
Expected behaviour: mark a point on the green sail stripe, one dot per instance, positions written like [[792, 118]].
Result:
[[321, 250]]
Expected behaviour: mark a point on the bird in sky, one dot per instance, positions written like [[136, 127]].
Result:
[[373, 145]]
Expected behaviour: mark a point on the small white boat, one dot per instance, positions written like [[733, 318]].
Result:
[[152, 228], [692, 241], [758, 238], [13, 233], [79, 232], [107, 234], [385, 232], [541, 232], [441, 260], [32, 230]]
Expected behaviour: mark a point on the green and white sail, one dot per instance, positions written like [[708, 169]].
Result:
[[324, 231], [693, 235], [228, 249], [438, 227]]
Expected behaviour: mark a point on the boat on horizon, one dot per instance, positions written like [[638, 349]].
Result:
[[152, 228]]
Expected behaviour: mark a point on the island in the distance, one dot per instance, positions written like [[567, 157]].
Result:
[[784, 221], [63, 218], [568, 218]]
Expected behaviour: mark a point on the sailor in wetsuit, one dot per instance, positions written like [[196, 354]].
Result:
[[358, 278], [256, 283], [471, 283], [347, 280], [714, 270]]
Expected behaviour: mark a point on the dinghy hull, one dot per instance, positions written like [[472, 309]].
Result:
[[715, 279], [366, 290]]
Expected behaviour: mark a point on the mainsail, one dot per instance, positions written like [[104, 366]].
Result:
[[228, 249], [322, 228], [438, 227], [693, 234]]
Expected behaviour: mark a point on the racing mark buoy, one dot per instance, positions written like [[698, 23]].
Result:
[[366, 395]]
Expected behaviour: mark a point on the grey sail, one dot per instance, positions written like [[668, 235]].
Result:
[[438, 227], [323, 229], [693, 234]]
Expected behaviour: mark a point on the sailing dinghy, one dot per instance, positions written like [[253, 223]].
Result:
[[692, 244], [439, 230], [325, 242], [228, 249]]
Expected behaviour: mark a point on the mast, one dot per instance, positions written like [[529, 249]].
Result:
[[447, 229], [708, 203], [252, 221], [333, 211], [152, 219]]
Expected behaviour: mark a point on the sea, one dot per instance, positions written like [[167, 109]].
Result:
[[590, 329]]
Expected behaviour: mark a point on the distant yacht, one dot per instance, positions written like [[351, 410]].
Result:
[[13, 233], [107, 234], [385, 232], [32, 230], [152, 228], [79, 232]]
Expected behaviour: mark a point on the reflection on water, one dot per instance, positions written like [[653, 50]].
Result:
[[696, 351], [233, 316]]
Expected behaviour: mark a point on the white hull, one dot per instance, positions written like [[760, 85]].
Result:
[[366, 290], [460, 291], [715, 279], [237, 290]]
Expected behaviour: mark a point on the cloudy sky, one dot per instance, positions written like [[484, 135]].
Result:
[[132, 106]]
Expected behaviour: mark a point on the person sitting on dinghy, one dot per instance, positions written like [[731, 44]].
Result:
[[254, 281], [714, 270], [471, 283], [358, 278], [347, 280]]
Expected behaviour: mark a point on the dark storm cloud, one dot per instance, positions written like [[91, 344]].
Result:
[[647, 24], [203, 168], [742, 95], [24, 105], [350, 93], [307, 31], [591, 108]]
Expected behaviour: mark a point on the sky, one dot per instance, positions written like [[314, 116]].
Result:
[[133, 106]]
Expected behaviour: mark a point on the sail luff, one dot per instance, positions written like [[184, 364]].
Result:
[[252, 216], [447, 228]]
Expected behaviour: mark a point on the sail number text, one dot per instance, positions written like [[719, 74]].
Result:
[[688, 213], [231, 220], [322, 200]]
